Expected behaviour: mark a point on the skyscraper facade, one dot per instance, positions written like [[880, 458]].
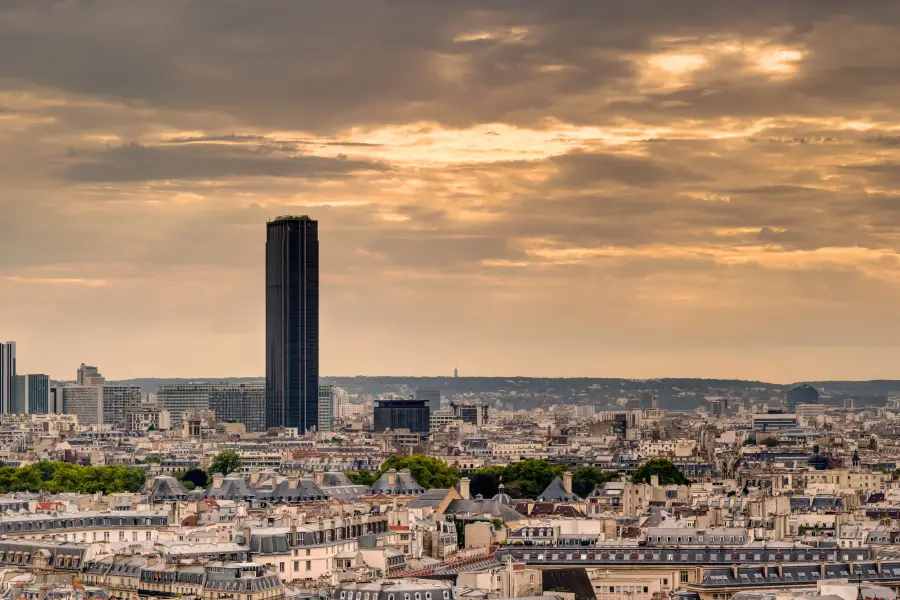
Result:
[[178, 398], [802, 394], [326, 407], [85, 402], [292, 323], [431, 396], [402, 414], [241, 402], [7, 376], [32, 395], [118, 400]]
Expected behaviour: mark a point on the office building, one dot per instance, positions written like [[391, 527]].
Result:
[[774, 422], [809, 414], [85, 402], [7, 375], [432, 398], [326, 408], [801, 394], [88, 375], [55, 401], [117, 401], [440, 420], [473, 413], [292, 323], [32, 395], [402, 414], [240, 403], [147, 417], [178, 398], [339, 398]]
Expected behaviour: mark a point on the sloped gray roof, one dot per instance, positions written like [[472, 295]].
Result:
[[430, 498], [555, 492], [232, 488], [483, 507], [334, 478], [300, 490], [166, 487], [404, 484], [346, 493]]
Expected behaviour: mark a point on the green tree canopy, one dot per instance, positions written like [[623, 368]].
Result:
[[665, 468], [196, 476], [361, 477], [428, 472], [225, 462], [586, 479], [55, 476], [524, 479]]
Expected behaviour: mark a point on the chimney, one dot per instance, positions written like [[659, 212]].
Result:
[[464, 488], [319, 477], [217, 481], [293, 482], [392, 477], [654, 480], [254, 477], [567, 481]]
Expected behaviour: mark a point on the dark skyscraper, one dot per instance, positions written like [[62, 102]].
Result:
[[402, 414], [802, 394], [292, 323]]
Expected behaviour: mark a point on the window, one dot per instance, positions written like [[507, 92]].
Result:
[[309, 565], [93, 536], [121, 536], [296, 565], [646, 589], [665, 581], [148, 536], [281, 567], [134, 536], [684, 577], [105, 536]]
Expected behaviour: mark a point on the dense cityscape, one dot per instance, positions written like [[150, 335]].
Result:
[[301, 486]]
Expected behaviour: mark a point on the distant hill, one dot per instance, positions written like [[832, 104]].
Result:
[[533, 392]]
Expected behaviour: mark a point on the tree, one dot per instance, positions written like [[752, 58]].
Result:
[[586, 479], [663, 467], [524, 479], [428, 472], [65, 477], [361, 477], [196, 476], [225, 462]]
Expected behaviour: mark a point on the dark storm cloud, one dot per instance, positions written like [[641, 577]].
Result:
[[308, 65], [134, 162]]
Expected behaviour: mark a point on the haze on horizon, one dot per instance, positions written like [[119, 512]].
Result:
[[640, 189]]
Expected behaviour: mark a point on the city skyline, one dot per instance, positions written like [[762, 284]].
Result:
[[637, 190]]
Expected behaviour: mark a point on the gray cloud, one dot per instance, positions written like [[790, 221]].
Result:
[[134, 162]]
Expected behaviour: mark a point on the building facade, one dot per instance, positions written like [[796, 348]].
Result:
[[326, 408], [7, 375], [118, 400], [292, 323], [801, 394], [241, 402], [32, 395], [431, 396], [85, 402], [178, 398], [402, 414]]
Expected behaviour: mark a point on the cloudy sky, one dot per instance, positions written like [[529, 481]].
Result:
[[636, 189]]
